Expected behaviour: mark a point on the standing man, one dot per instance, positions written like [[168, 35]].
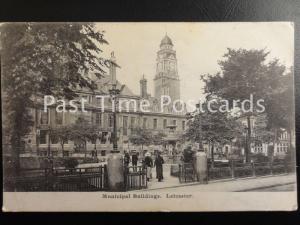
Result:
[[126, 159], [148, 162], [159, 161], [134, 160]]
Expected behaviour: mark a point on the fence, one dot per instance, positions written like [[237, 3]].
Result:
[[135, 177], [234, 170], [186, 173], [79, 179]]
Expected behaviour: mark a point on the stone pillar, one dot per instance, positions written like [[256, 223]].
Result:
[[200, 165], [115, 170]]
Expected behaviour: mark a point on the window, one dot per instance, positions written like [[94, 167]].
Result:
[[43, 137], [183, 125], [258, 147], [99, 101], [154, 123], [44, 117], [144, 123], [166, 90], [125, 125], [85, 97], [98, 119], [58, 118], [132, 122], [110, 120], [54, 139], [165, 123], [175, 123]]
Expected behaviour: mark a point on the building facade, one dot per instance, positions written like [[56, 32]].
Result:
[[168, 121]]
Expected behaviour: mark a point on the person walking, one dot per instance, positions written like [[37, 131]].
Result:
[[158, 163], [148, 162]]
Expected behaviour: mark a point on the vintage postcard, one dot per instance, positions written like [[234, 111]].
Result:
[[148, 116]]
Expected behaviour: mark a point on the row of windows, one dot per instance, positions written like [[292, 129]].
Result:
[[132, 122], [44, 117], [98, 120], [282, 147], [104, 138]]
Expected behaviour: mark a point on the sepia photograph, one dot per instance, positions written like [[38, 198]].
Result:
[[185, 116]]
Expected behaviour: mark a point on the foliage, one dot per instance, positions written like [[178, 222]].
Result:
[[217, 127], [70, 163], [158, 138], [246, 72], [44, 59], [262, 134], [259, 157], [214, 127], [83, 131], [62, 133], [141, 137]]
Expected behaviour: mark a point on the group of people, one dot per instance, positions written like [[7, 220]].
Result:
[[148, 163]]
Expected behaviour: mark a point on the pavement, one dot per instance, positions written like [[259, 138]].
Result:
[[267, 183]]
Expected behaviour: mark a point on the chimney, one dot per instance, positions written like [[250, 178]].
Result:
[[143, 86], [112, 68]]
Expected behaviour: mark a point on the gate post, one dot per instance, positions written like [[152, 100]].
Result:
[[253, 169], [232, 170]]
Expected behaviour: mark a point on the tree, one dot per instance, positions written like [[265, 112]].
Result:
[[244, 73], [141, 137], [158, 138], [63, 134], [93, 134], [44, 59], [214, 127], [280, 112], [81, 132]]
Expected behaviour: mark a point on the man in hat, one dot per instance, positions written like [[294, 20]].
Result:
[[148, 162], [126, 158], [158, 163], [134, 160]]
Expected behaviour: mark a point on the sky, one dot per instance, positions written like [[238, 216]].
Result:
[[199, 47]]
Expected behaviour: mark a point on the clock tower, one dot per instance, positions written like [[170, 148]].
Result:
[[166, 81]]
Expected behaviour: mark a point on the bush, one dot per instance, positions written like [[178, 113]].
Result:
[[188, 155], [260, 158], [70, 163]]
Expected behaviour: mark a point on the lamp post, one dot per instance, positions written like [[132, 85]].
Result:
[[115, 167], [114, 92], [37, 141], [200, 127], [246, 144], [49, 139]]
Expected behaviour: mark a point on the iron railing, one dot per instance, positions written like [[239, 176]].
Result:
[[187, 171], [135, 177], [79, 179]]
